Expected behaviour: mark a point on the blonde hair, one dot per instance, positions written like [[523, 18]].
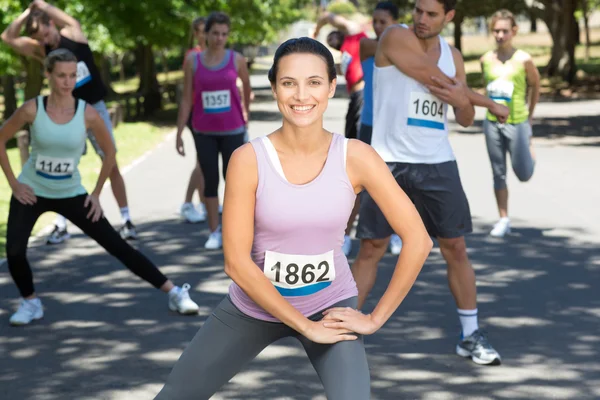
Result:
[[58, 55], [503, 14]]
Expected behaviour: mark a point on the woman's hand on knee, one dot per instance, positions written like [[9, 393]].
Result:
[[351, 319], [93, 203], [24, 194]]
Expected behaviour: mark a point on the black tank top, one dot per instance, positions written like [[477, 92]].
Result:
[[89, 86]]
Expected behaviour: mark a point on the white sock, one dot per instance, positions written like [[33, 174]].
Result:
[[174, 291], [503, 219], [61, 222], [468, 320], [125, 214]]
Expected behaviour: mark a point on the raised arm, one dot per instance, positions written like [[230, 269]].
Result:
[[238, 235], [368, 48], [61, 19], [338, 22], [367, 170], [24, 115], [22, 44]]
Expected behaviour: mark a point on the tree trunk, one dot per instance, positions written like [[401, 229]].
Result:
[[10, 95], [533, 20], [586, 24], [121, 58], [458, 20], [35, 78], [560, 19], [149, 87], [165, 65]]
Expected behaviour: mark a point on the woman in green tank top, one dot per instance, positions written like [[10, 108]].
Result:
[[50, 181], [512, 79]]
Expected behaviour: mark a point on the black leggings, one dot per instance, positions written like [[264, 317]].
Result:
[[22, 218], [208, 148]]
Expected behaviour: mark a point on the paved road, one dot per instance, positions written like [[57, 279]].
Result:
[[107, 335]]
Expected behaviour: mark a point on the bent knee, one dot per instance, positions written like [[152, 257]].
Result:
[[455, 249]]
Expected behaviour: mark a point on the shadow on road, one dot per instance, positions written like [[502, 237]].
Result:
[[105, 331]]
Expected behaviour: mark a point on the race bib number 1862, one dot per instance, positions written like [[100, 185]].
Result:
[[299, 275], [54, 168], [425, 110]]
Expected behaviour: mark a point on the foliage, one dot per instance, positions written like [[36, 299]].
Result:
[[342, 8]]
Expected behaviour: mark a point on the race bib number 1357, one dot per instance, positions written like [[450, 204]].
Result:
[[217, 101], [425, 110], [299, 275]]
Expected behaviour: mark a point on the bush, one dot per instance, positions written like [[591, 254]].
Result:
[[342, 8]]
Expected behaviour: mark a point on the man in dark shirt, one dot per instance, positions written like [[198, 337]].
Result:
[[42, 22]]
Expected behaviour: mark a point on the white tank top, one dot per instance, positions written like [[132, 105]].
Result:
[[409, 124]]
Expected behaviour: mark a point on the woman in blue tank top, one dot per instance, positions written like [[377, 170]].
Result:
[[50, 181]]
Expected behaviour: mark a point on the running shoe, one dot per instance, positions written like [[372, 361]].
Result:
[[215, 240], [191, 214], [395, 244], [501, 228], [478, 349], [128, 232], [58, 236], [28, 311], [181, 301]]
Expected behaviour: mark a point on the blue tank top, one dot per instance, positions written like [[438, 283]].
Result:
[[366, 117], [51, 169]]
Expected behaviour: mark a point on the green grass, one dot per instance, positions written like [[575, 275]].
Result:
[[133, 140]]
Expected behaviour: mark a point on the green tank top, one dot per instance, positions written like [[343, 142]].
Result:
[[51, 169], [506, 83]]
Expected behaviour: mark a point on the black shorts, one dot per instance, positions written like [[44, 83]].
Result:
[[353, 115], [437, 193]]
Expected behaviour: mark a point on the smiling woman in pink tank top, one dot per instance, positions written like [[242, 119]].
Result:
[[288, 198]]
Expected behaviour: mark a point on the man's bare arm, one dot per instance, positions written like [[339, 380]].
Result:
[[368, 48], [338, 22], [69, 24], [22, 44]]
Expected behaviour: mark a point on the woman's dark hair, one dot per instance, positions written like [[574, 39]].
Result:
[[215, 18], [304, 45], [390, 7], [199, 21]]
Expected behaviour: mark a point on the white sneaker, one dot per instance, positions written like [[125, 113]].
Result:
[[28, 311], [347, 246], [395, 244], [181, 301], [191, 214], [201, 208], [215, 240], [501, 228]]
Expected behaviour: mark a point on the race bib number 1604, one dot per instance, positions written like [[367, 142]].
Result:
[[299, 275], [425, 110]]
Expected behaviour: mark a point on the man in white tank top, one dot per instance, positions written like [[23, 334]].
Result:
[[417, 75]]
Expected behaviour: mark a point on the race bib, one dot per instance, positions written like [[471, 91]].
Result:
[[298, 275], [218, 101], [425, 110], [54, 168], [83, 74], [501, 90], [345, 62]]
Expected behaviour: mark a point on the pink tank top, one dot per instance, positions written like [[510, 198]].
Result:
[[299, 232], [217, 107]]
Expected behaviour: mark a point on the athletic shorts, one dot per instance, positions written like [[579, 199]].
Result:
[[353, 115], [437, 193]]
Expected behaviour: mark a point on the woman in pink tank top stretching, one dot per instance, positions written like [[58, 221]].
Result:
[[211, 95], [287, 201]]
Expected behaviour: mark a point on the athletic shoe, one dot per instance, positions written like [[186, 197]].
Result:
[[191, 214], [128, 232], [181, 301], [58, 236], [215, 240], [220, 209], [201, 208], [347, 246], [501, 228], [28, 311], [478, 349], [395, 244]]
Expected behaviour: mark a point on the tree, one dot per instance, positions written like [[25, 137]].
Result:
[[559, 16]]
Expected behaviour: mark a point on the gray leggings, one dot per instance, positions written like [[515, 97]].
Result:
[[501, 138], [229, 339]]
